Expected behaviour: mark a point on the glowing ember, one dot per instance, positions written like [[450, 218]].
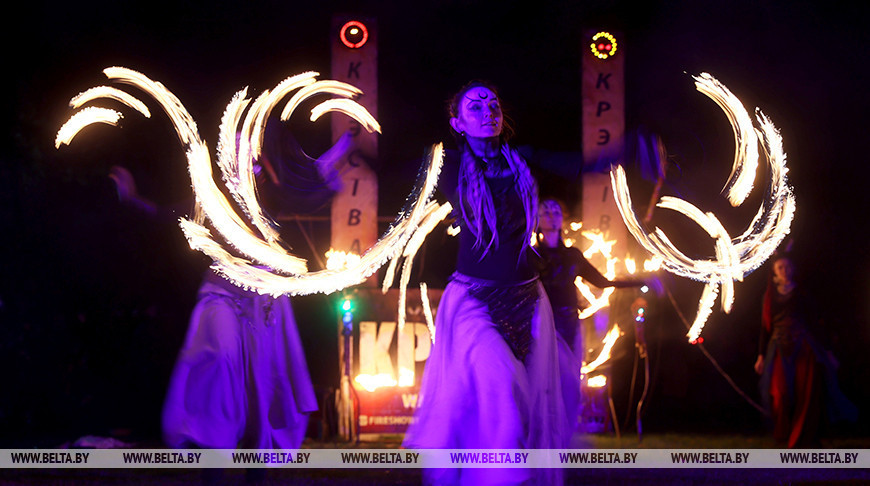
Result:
[[734, 257]]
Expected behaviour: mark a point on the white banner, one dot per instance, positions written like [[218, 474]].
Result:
[[441, 458]]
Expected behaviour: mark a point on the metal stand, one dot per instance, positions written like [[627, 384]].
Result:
[[348, 425]]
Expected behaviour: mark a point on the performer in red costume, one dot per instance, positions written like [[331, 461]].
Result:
[[798, 372]]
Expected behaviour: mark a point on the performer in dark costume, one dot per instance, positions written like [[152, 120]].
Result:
[[561, 266], [492, 380], [798, 372]]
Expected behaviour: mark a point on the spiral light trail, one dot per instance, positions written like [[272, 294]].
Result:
[[265, 266], [734, 257]]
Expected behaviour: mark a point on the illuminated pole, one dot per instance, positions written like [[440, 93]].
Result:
[[603, 92], [355, 208]]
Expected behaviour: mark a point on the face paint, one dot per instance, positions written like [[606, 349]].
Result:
[[479, 114]]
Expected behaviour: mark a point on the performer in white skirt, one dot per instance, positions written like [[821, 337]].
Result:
[[241, 380], [492, 380]]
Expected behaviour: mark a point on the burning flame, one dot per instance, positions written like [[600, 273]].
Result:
[[734, 257], [339, 260], [600, 246], [609, 340], [373, 382], [435, 213], [284, 272], [596, 381]]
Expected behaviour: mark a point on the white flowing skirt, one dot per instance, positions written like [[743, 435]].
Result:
[[477, 395], [241, 380]]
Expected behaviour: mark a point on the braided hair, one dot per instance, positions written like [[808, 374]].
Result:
[[475, 201]]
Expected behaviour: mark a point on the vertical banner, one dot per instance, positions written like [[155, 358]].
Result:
[[603, 92], [355, 207], [354, 219]]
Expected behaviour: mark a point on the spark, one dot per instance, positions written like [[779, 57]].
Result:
[[734, 257]]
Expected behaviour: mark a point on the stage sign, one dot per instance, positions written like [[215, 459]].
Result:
[[388, 362]]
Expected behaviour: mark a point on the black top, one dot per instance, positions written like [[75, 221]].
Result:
[[560, 266], [505, 262], [793, 317]]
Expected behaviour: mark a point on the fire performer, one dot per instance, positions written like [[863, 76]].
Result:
[[559, 267], [492, 380], [798, 373], [241, 378]]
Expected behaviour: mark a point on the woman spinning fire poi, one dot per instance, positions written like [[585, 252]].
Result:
[[241, 378], [492, 380]]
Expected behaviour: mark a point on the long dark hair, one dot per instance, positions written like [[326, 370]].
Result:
[[475, 200], [507, 129]]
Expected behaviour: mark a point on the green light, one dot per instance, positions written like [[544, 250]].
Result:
[[346, 305]]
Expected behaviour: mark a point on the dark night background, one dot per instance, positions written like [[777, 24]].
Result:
[[94, 299]]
